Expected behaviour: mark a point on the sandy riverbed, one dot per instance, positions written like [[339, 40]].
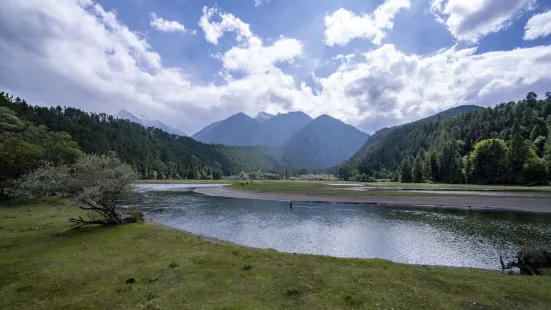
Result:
[[498, 203]]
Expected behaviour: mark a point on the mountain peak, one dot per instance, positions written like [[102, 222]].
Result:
[[240, 114], [263, 116], [124, 114], [325, 117], [146, 122]]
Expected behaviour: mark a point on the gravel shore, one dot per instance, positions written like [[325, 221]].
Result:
[[479, 202]]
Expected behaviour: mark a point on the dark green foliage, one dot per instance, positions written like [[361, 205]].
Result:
[[23, 146], [489, 161], [151, 151], [518, 145], [345, 173], [387, 147], [417, 170], [406, 170]]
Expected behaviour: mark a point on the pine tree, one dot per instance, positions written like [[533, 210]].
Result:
[[417, 170], [427, 167], [536, 132], [406, 170], [516, 155]]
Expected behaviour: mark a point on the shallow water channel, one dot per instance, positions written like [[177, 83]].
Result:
[[401, 234]]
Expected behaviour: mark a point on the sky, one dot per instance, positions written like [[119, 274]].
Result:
[[188, 63]]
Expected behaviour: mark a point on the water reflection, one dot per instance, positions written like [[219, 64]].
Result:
[[416, 236]]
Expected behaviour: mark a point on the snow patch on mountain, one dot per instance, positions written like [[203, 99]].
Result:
[[261, 117]]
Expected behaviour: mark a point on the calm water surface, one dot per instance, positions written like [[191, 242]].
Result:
[[405, 235]]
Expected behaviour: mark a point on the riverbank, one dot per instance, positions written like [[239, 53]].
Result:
[[539, 205], [88, 268]]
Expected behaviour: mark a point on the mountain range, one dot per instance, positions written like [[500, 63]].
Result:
[[124, 114], [298, 140]]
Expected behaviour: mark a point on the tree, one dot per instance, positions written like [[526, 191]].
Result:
[[396, 176], [489, 161], [417, 170], [16, 157], [536, 132], [345, 173], [516, 157], [451, 169], [434, 168], [547, 152], [23, 146], [406, 170], [99, 183], [533, 169], [427, 167]]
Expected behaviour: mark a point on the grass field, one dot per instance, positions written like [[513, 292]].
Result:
[[184, 182], [87, 269], [381, 188]]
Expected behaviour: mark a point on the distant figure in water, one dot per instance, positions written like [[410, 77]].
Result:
[[291, 205]]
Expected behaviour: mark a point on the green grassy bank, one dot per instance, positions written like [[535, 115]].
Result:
[[382, 188], [169, 181], [87, 269]]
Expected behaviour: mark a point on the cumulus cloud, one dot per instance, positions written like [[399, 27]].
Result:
[[229, 23], [254, 57], [469, 21], [164, 25], [343, 26], [75, 53], [538, 26], [394, 87]]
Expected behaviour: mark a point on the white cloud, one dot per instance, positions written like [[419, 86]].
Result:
[[215, 30], [257, 3], [74, 53], [390, 87], [257, 58], [538, 26], [470, 21], [164, 25], [343, 26]]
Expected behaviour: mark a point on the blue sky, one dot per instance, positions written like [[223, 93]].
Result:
[[372, 64]]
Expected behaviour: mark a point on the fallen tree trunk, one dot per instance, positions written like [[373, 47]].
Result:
[[107, 218]]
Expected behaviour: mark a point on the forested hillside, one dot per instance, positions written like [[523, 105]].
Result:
[[23, 146], [507, 144], [151, 151], [323, 143]]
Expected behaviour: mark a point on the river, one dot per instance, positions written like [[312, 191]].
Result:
[[464, 238]]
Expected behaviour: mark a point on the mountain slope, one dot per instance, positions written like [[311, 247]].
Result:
[[278, 129], [323, 143], [151, 151], [235, 130], [124, 114], [386, 148]]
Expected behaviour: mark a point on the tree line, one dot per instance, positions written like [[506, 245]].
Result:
[[152, 152], [507, 144]]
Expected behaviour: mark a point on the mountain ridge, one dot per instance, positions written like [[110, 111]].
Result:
[[125, 114], [323, 143]]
